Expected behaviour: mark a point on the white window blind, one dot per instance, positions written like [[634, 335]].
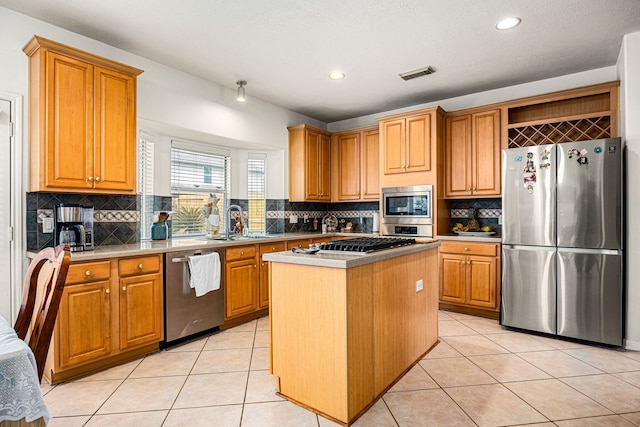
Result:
[[256, 192], [195, 174], [145, 183]]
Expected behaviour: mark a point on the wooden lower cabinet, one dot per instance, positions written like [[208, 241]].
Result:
[[241, 281], [263, 269], [469, 277], [111, 311]]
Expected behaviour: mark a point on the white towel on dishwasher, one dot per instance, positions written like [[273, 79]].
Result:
[[205, 273]]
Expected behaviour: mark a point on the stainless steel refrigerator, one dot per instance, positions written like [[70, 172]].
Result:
[[562, 256]]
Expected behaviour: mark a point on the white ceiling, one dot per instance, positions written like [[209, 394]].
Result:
[[285, 49]]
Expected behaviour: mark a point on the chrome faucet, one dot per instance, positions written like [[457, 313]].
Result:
[[227, 217]]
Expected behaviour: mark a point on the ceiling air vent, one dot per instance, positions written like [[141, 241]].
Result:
[[417, 73]]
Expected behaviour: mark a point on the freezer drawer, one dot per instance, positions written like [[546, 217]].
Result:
[[529, 288], [590, 295]]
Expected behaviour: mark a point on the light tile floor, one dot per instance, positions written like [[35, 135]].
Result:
[[479, 375]]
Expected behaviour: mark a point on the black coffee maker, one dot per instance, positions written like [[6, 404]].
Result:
[[68, 226]]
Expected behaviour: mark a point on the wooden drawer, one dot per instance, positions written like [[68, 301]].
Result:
[[240, 252], [301, 243], [266, 248], [468, 248], [139, 265], [88, 272]]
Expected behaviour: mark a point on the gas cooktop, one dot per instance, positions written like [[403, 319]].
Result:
[[365, 244]]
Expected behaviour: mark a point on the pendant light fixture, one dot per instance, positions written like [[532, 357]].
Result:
[[241, 97]]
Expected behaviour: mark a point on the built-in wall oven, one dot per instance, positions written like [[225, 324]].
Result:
[[407, 211]]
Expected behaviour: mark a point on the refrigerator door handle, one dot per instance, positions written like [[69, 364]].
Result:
[[590, 251]]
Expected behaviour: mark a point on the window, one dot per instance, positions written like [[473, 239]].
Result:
[[256, 193], [197, 171], [145, 183]]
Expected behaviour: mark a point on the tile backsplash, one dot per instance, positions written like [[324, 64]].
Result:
[[117, 217]]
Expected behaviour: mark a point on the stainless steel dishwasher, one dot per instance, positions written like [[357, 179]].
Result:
[[184, 313]]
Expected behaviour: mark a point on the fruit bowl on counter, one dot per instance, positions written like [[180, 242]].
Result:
[[463, 230]]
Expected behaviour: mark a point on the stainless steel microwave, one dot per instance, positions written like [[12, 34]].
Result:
[[407, 211]]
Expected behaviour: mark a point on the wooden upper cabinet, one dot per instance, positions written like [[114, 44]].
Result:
[[309, 164], [472, 155], [406, 144], [370, 165], [82, 118], [356, 165]]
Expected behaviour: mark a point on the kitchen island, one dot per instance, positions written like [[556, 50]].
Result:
[[345, 327]]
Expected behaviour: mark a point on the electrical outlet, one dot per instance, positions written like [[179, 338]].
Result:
[[293, 219], [419, 285], [47, 225]]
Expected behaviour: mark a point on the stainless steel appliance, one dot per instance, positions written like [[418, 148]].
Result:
[[70, 222], [407, 211], [184, 313], [562, 253]]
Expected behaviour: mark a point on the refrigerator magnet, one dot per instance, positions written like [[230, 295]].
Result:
[[545, 154], [517, 159], [529, 188], [583, 160], [597, 150]]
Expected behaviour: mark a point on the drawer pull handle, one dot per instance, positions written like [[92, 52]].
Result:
[[466, 249], [241, 252], [140, 266], [468, 262], [462, 262], [255, 266], [107, 291], [90, 179], [97, 179], [468, 188], [262, 265], [87, 273], [124, 288], [273, 249]]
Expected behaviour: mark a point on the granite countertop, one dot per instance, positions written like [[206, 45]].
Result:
[[149, 247], [346, 259], [494, 238]]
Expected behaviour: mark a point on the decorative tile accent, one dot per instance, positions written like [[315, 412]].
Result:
[[482, 213], [116, 216]]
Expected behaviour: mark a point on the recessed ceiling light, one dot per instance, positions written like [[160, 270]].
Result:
[[336, 75], [508, 23]]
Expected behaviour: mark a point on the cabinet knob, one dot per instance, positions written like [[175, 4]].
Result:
[[468, 188], [97, 179], [273, 249], [462, 262], [255, 266], [262, 265], [107, 291], [140, 266], [90, 178], [466, 249], [468, 262], [87, 273], [241, 252], [475, 189], [124, 288]]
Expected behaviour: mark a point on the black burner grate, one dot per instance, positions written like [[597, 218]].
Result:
[[366, 244]]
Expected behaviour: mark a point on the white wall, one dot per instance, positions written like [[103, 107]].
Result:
[[629, 74], [170, 102], [555, 84]]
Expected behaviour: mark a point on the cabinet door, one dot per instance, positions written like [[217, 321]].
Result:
[[263, 287], [393, 146], [324, 168], [140, 310], [458, 156], [115, 150], [481, 281], [241, 293], [486, 153], [347, 168], [84, 323], [69, 123], [418, 143], [452, 278], [370, 165], [312, 162]]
